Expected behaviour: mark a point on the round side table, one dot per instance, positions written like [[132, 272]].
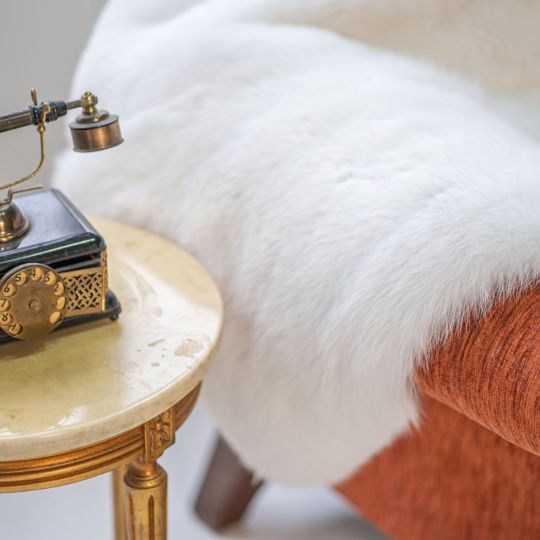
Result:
[[109, 396]]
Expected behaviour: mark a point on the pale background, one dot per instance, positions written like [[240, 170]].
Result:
[[40, 42]]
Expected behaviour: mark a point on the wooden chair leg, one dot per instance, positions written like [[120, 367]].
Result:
[[227, 489]]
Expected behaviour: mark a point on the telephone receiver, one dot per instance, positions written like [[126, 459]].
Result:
[[92, 130]]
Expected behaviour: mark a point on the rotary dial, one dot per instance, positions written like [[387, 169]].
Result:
[[32, 301]]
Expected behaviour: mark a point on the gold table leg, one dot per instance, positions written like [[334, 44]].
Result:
[[120, 531], [145, 500]]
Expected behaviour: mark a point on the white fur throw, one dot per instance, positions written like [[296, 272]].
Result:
[[356, 175]]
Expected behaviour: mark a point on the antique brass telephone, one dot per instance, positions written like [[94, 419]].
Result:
[[53, 263]]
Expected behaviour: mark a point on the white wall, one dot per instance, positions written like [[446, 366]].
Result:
[[40, 42]]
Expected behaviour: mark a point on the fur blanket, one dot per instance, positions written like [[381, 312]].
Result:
[[356, 175]]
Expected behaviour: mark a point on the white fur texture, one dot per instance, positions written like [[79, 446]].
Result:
[[351, 199]]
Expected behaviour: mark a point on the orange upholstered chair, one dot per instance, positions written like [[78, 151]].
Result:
[[472, 468]]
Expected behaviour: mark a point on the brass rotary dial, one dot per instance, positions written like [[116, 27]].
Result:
[[32, 301]]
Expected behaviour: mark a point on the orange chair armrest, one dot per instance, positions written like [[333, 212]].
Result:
[[489, 370]]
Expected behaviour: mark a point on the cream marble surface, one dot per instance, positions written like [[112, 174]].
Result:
[[83, 385]]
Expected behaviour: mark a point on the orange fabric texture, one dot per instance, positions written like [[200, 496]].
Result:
[[490, 371], [458, 478], [452, 480]]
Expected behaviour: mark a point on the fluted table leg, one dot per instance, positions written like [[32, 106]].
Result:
[[120, 532], [146, 501]]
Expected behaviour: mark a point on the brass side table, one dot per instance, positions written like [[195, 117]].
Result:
[[109, 396]]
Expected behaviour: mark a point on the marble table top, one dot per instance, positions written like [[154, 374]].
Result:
[[83, 385]]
